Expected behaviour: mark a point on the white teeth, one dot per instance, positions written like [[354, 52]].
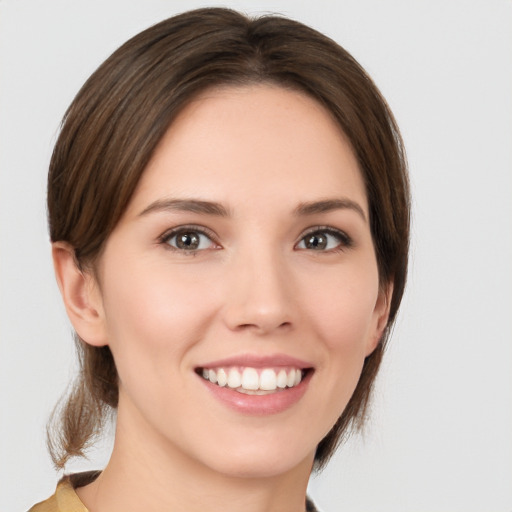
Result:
[[234, 379], [222, 378], [268, 380], [252, 381], [282, 379]]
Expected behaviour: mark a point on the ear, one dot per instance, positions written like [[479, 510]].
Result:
[[81, 295], [380, 317]]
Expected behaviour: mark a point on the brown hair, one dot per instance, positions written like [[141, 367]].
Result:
[[111, 129]]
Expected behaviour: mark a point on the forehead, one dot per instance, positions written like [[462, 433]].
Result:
[[240, 145]]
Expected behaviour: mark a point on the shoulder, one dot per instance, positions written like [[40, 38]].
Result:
[[65, 498], [49, 505]]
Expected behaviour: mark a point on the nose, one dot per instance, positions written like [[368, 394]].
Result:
[[259, 294]]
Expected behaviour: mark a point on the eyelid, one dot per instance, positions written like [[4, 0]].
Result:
[[345, 240], [169, 233]]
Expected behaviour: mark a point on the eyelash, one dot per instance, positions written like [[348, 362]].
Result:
[[165, 238], [344, 241]]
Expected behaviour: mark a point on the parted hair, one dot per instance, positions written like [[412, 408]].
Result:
[[110, 132]]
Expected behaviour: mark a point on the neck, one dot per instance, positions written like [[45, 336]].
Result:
[[147, 473]]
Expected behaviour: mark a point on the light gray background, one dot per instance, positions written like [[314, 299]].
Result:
[[440, 437]]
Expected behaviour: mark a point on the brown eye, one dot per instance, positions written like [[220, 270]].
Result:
[[315, 241], [324, 240], [189, 240]]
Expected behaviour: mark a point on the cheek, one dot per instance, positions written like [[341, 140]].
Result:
[[342, 308], [151, 312], [342, 314], [343, 319]]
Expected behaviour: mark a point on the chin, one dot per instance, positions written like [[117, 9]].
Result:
[[261, 462]]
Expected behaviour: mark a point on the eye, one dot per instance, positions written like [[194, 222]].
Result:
[[188, 239], [325, 239]]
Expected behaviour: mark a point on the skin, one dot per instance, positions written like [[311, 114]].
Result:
[[253, 287]]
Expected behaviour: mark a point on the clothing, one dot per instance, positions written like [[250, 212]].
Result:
[[65, 498]]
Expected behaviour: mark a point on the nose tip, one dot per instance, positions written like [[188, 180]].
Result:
[[262, 323]]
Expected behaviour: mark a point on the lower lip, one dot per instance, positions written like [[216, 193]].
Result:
[[272, 403]]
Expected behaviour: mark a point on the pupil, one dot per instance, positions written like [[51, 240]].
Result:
[[317, 242], [187, 241]]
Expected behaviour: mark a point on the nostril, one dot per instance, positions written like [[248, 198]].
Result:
[[264, 327]]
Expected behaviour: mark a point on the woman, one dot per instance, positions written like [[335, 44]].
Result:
[[228, 206]]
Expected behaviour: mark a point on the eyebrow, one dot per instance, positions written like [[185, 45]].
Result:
[[217, 209], [329, 205], [186, 205]]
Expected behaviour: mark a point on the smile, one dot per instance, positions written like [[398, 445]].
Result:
[[253, 381]]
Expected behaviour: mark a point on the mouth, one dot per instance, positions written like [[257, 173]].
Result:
[[254, 381]]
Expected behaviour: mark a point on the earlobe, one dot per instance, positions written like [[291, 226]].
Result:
[[381, 316], [80, 294]]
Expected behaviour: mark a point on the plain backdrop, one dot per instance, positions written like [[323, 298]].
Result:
[[440, 435]]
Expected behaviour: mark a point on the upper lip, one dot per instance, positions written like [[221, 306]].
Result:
[[258, 361]]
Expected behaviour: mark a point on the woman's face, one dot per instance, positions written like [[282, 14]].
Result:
[[243, 264]]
